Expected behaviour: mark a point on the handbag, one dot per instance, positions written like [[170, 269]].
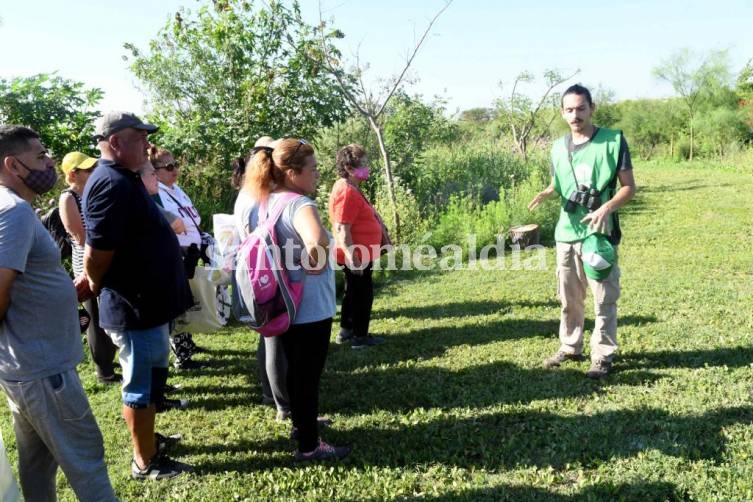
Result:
[[211, 310]]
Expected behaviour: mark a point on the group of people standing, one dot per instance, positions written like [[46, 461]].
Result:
[[128, 262], [128, 249]]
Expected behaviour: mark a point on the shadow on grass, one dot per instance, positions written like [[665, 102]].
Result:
[[428, 343], [241, 456], [687, 186], [595, 493], [542, 439], [403, 389], [731, 356], [222, 362], [460, 309], [227, 396]]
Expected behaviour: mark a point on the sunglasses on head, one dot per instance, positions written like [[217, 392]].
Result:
[[300, 144], [169, 167]]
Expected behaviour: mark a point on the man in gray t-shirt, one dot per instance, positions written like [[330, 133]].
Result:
[[40, 343]]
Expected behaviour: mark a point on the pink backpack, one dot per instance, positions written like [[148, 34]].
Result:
[[269, 300]]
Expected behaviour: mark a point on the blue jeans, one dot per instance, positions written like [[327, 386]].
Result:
[[55, 426], [143, 358]]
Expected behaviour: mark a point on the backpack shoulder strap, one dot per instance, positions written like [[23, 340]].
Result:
[[283, 201]]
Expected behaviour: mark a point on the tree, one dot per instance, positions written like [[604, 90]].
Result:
[[523, 117], [695, 79], [369, 105], [410, 126], [647, 123], [60, 110], [745, 80], [230, 73], [745, 95], [722, 128], [607, 112]]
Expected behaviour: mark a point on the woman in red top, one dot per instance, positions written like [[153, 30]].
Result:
[[358, 231]]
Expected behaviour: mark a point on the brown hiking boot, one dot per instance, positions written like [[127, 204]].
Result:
[[599, 369], [559, 358]]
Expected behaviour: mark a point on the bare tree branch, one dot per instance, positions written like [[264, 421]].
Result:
[[412, 56]]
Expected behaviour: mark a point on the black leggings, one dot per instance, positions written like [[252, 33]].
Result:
[[358, 298], [306, 347]]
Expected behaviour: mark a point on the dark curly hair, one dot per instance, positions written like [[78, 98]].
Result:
[[348, 157]]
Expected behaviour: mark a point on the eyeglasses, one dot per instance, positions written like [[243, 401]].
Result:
[[169, 167]]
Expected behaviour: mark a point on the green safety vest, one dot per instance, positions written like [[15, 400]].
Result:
[[595, 165]]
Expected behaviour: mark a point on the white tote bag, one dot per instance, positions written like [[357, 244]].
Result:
[[211, 310], [226, 242]]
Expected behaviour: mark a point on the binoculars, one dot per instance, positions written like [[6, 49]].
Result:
[[590, 198]]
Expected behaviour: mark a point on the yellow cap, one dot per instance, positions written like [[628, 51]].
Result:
[[77, 160]]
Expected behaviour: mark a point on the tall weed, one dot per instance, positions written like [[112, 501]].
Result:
[[477, 169], [467, 216]]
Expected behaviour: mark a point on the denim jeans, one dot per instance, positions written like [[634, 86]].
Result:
[[144, 356]]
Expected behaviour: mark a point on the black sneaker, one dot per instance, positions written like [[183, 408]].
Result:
[[361, 342], [171, 404], [323, 451], [160, 467], [164, 443], [113, 379], [189, 364]]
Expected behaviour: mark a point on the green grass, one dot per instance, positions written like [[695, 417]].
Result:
[[456, 406]]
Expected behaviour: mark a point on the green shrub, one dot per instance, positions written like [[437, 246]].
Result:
[[209, 188], [412, 225], [466, 215], [477, 169]]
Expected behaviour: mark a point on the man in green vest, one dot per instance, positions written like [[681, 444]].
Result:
[[586, 165]]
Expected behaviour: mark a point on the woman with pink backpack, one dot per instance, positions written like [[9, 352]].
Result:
[[277, 180]]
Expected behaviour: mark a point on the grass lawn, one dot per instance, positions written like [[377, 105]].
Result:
[[456, 405]]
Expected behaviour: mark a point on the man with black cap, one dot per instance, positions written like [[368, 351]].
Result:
[[132, 261]]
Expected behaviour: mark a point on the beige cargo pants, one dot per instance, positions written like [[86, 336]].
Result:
[[571, 289]]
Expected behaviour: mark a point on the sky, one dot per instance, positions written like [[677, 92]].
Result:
[[471, 58]]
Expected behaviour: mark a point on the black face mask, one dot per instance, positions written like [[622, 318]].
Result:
[[40, 182]]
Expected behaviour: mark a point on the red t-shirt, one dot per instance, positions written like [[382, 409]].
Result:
[[347, 205]]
